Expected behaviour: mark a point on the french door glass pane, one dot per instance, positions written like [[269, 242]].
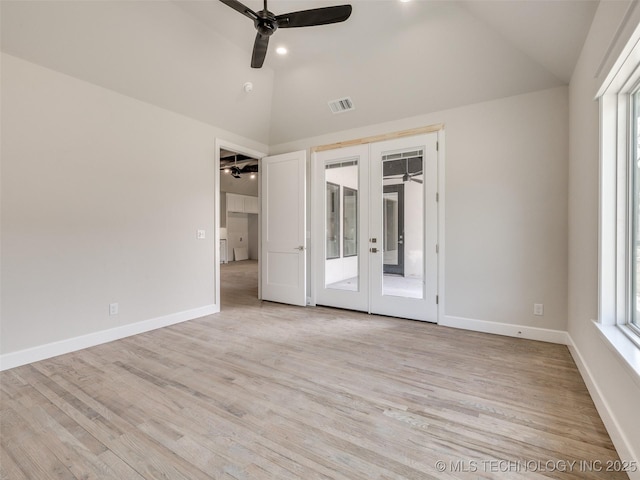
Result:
[[341, 269], [403, 224]]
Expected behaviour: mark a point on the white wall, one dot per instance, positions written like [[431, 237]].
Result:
[[101, 199], [223, 210], [254, 236], [506, 209], [242, 228], [237, 232], [615, 390], [245, 185]]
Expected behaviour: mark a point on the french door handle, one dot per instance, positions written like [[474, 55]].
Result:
[[301, 248]]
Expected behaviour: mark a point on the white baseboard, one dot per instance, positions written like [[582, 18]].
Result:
[[622, 445], [509, 330], [42, 352]]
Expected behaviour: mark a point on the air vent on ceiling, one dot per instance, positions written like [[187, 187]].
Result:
[[341, 105]]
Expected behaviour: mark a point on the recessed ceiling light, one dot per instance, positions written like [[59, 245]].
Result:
[[281, 51], [405, 1]]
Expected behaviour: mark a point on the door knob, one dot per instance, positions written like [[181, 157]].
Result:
[[301, 248]]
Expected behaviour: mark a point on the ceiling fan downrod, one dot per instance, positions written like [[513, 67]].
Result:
[[266, 23]]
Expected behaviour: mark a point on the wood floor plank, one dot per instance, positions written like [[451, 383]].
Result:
[[517, 429], [9, 469], [271, 391], [79, 459], [28, 450]]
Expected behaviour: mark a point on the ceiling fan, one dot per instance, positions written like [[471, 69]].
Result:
[[407, 176], [236, 170], [266, 23], [410, 177]]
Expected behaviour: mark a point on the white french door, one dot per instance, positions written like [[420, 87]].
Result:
[[375, 227], [340, 213], [403, 220]]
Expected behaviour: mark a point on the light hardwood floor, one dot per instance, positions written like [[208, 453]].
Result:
[[268, 391]]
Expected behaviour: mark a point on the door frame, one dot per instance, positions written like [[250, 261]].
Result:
[[244, 150], [440, 155], [396, 269]]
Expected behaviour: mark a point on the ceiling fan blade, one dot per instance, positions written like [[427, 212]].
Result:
[[239, 7], [259, 50], [315, 16]]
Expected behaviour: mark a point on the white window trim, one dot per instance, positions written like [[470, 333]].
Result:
[[614, 245]]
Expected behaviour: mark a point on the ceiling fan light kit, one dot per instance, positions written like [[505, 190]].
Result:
[[248, 166], [266, 23]]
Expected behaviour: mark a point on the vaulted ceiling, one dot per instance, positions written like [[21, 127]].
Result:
[[394, 59]]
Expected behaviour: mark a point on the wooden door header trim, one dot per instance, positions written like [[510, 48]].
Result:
[[380, 138]]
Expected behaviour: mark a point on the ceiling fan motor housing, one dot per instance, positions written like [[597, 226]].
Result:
[[266, 23]]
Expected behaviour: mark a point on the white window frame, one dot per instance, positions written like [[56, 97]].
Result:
[[631, 326], [615, 258]]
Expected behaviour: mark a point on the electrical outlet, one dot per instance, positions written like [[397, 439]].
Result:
[[113, 309], [538, 309]]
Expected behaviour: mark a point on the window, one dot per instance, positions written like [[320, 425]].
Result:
[[350, 222], [333, 220], [620, 198]]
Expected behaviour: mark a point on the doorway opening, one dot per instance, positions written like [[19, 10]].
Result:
[[239, 220]]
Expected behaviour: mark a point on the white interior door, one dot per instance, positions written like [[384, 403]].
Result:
[[340, 205], [283, 272], [403, 222]]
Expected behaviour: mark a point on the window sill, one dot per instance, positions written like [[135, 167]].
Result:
[[623, 346]]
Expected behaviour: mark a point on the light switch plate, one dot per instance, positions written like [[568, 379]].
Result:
[[538, 309], [200, 234]]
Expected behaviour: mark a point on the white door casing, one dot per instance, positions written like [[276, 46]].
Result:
[[283, 255], [224, 144]]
